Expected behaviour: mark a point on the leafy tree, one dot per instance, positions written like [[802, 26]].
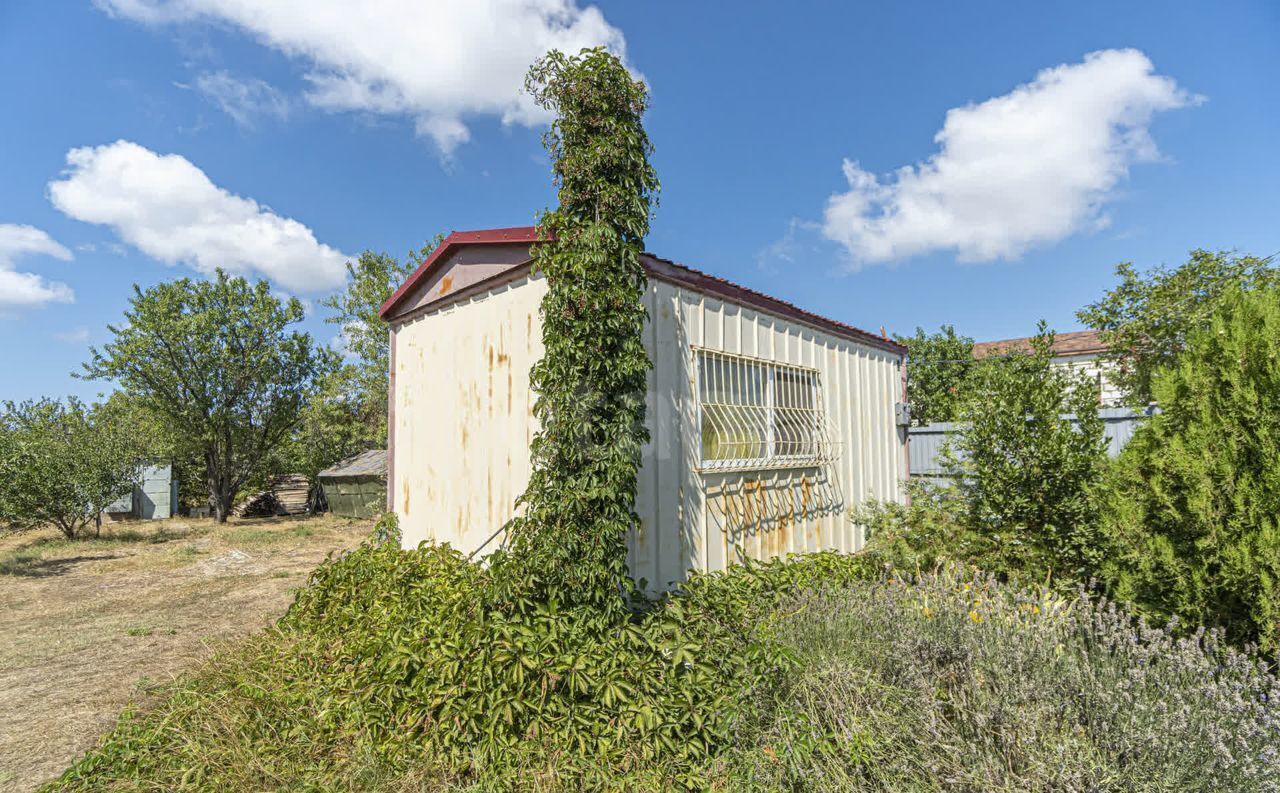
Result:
[[371, 280], [1195, 496], [1026, 474], [1145, 319], [215, 361], [158, 441], [61, 464], [938, 367], [348, 413], [570, 544]]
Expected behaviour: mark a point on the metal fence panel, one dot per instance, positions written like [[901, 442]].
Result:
[[1119, 425]]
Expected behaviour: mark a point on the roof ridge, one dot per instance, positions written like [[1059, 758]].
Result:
[[714, 283]]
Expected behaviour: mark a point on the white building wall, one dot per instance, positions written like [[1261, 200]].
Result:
[[463, 415], [463, 422], [759, 514], [1097, 369]]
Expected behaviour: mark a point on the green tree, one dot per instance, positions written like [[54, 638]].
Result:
[[370, 282], [1194, 499], [1145, 319], [348, 413], [61, 464], [938, 368], [580, 502], [158, 442], [215, 362], [1028, 461]]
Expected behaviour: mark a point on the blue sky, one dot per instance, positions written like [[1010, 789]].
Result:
[[151, 139]]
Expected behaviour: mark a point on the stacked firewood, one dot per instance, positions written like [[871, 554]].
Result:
[[289, 494]]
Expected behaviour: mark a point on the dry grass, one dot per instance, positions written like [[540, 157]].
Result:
[[87, 626]]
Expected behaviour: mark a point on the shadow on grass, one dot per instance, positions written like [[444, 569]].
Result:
[[32, 566], [32, 558]]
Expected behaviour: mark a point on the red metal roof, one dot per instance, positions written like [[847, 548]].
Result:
[[710, 284], [659, 267]]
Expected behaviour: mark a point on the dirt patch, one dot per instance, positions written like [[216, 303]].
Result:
[[88, 626]]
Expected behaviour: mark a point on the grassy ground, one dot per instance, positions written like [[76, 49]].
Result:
[[87, 626]]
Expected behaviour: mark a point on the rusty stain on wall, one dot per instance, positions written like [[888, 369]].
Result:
[[446, 284], [760, 513]]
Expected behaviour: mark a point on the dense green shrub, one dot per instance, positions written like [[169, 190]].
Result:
[[938, 369], [956, 682], [1195, 496], [1024, 468], [1027, 461], [391, 662], [393, 671]]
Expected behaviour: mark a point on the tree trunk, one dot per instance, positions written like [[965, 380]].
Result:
[[220, 491], [222, 505]]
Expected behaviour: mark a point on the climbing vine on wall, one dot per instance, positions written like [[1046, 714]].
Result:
[[570, 544]]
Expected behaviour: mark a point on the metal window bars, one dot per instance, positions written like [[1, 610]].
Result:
[[755, 414]]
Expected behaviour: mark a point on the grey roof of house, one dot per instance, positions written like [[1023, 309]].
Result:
[[370, 463]]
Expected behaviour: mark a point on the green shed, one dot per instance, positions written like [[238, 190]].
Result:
[[357, 486]]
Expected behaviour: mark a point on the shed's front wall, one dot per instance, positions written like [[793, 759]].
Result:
[[463, 422], [463, 415]]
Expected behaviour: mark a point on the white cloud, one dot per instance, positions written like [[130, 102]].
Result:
[[28, 290], [170, 210], [437, 62], [245, 100], [74, 336], [1027, 168], [793, 246]]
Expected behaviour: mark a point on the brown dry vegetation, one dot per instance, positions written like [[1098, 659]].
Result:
[[87, 626]]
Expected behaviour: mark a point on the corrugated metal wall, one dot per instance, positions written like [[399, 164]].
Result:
[[463, 422], [758, 514], [153, 498]]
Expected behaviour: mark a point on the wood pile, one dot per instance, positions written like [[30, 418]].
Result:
[[289, 494]]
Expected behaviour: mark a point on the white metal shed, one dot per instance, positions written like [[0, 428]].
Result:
[[767, 423]]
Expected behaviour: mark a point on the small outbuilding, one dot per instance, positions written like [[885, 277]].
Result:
[[357, 486], [154, 497], [767, 423]]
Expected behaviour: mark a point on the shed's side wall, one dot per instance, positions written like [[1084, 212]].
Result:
[[709, 519], [463, 423]]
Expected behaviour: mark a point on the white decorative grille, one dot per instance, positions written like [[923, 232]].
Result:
[[756, 414]]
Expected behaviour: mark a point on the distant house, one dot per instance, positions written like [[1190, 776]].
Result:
[[1082, 351], [767, 423], [153, 498]]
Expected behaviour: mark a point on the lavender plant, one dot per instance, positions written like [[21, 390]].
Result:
[[957, 682]]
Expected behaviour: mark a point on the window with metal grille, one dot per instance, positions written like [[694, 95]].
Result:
[[759, 414]]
